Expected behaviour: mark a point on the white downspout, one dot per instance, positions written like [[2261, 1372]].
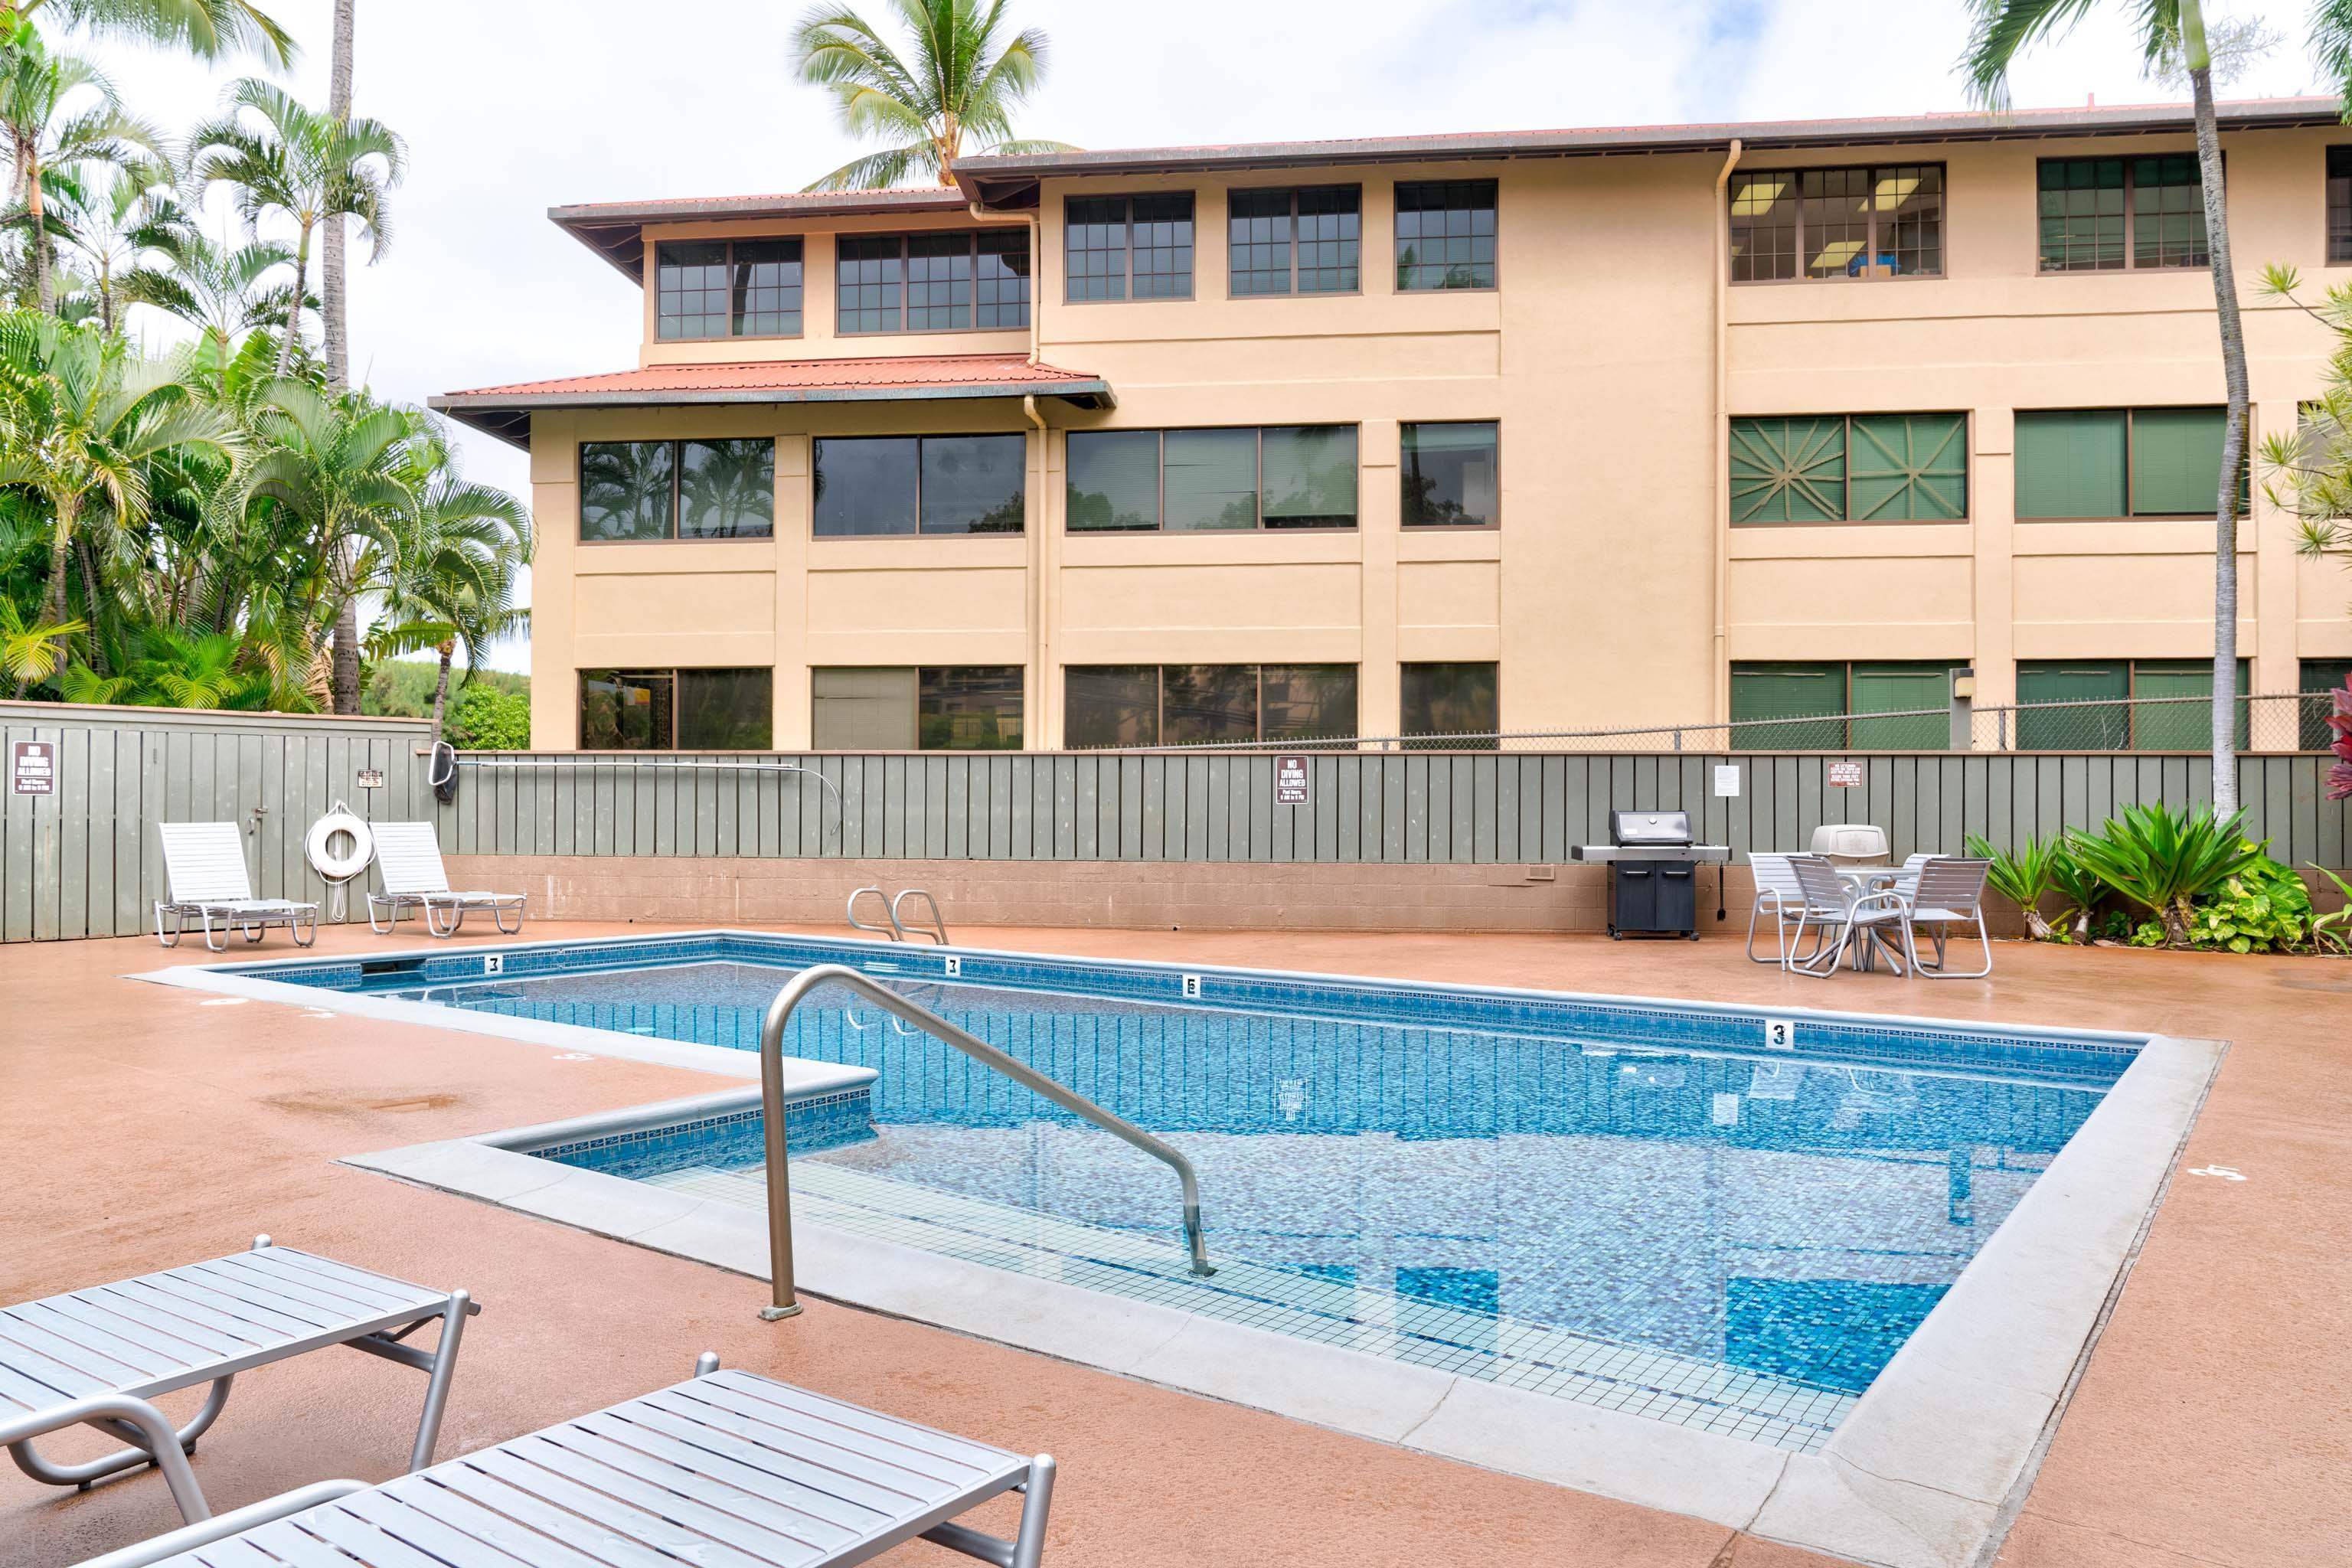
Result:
[[1037, 238], [1720, 673], [1034, 730]]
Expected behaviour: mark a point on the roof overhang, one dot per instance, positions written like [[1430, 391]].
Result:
[[1012, 184], [505, 412], [615, 230]]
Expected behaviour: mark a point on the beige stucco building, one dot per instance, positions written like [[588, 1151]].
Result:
[[1552, 431]]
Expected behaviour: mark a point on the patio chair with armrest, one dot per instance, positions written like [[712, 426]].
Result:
[[1948, 893], [1778, 895], [1830, 909]]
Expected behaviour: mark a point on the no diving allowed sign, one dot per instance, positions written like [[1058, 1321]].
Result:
[[1290, 780], [33, 767]]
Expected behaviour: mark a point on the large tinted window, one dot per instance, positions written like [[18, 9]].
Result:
[[1450, 475], [1206, 704], [766, 301], [1446, 234], [691, 288], [626, 488], [1447, 700], [973, 484], [1110, 705], [954, 282], [676, 710], [969, 708], [2340, 206], [2101, 214], [1306, 241], [867, 485], [927, 484], [1188, 481], [726, 490], [716, 288], [677, 489], [1821, 226], [1128, 247]]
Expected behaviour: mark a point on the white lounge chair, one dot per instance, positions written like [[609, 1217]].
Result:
[[1949, 892], [727, 1468], [409, 857], [1830, 908], [96, 1357], [204, 864]]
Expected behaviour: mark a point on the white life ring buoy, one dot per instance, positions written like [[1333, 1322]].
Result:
[[338, 844]]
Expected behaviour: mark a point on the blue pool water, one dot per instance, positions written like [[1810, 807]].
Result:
[[1503, 1184]]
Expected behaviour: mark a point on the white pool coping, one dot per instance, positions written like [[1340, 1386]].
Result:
[[1921, 1474]]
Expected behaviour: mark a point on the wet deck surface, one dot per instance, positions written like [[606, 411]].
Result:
[[145, 1126]]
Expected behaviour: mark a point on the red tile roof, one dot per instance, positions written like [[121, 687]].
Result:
[[505, 411]]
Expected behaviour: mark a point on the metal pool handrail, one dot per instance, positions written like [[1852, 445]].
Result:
[[772, 1114]]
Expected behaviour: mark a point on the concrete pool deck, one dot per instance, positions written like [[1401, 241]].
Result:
[[2208, 1426]]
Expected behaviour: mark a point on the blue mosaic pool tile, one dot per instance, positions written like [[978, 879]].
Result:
[[811, 1126]]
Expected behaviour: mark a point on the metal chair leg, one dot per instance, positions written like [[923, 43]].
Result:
[[436, 1391], [159, 1445], [1029, 1545], [499, 918]]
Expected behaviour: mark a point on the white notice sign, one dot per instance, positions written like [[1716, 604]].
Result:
[[1726, 780]]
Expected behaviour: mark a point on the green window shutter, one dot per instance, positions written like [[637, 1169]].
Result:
[[2098, 729], [1787, 470], [1910, 468], [2317, 677], [2070, 464], [2181, 726], [2176, 457], [1899, 689], [1780, 707]]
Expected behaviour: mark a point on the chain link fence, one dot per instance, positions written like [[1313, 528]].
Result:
[[2269, 723]]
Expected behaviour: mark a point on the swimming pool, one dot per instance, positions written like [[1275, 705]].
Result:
[[1636, 1206]]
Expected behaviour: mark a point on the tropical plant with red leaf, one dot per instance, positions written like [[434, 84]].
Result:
[[2339, 777]]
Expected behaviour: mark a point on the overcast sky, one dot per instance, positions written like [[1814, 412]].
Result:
[[511, 106]]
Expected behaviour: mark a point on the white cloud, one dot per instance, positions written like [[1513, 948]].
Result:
[[512, 106]]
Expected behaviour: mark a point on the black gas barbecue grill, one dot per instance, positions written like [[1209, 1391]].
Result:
[[1654, 871]]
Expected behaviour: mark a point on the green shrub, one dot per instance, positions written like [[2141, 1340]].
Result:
[[486, 719], [2165, 860], [2263, 909], [2332, 930]]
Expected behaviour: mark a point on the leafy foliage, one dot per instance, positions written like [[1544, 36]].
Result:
[[2163, 860], [487, 719], [949, 88], [2332, 930]]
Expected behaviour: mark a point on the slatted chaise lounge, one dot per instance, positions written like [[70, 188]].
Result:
[[204, 863], [414, 877], [727, 1469], [96, 1357]]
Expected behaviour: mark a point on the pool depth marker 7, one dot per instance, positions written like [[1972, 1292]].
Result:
[[782, 1302]]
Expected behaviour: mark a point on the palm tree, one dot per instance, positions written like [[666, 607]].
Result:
[[215, 288], [2176, 40], [208, 29], [952, 91], [56, 112], [114, 214], [302, 166], [340, 466], [454, 581], [331, 253], [31, 651], [83, 420]]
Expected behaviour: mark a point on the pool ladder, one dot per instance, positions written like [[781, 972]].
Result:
[[936, 931], [782, 1302]]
